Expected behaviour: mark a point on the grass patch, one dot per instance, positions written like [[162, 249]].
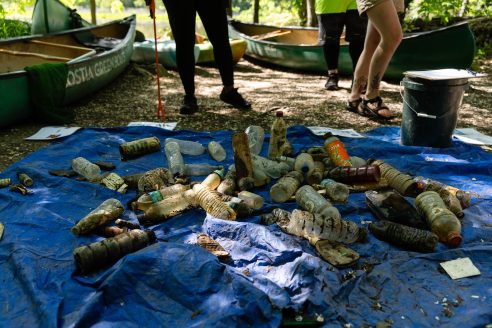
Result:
[[10, 28]]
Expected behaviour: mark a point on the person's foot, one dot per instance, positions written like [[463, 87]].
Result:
[[332, 82], [189, 105], [234, 98]]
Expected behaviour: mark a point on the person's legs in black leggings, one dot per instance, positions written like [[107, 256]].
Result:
[[355, 34], [214, 19], [331, 27], [182, 15]]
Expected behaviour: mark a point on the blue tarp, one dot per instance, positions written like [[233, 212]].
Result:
[[175, 283]]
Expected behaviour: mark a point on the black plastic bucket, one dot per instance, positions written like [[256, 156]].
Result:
[[430, 111]]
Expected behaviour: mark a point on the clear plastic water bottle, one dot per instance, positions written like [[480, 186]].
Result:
[[187, 147], [337, 192], [200, 169], [87, 169], [256, 135], [216, 151], [175, 160], [304, 163], [253, 200]]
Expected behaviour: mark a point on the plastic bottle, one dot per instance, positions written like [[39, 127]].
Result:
[[228, 184], [87, 169], [139, 147], [357, 161], [126, 224], [315, 227], [441, 221], [354, 175], [290, 161], [167, 208], [102, 253], [337, 152], [337, 192], [315, 175], [213, 180], [146, 200], [200, 169], [260, 178], [253, 200], [212, 204], [271, 168], [216, 151], [304, 163], [286, 186], [187, 147], [256, 135], [108, 210], [403, 236], [24, 179], [155, 179], [313, 202], [452, 203], [278, 136], [279, 216], [287, 149], [175, 160], [426, 184], [403, 183]]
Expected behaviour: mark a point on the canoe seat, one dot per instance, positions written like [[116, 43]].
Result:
[[270, 35], [32, 54]]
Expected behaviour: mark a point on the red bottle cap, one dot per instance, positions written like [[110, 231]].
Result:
[[279, 113], [454, 239]]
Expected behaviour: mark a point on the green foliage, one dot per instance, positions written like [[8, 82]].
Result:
[[272, 12], [445, 11], [12, 28]]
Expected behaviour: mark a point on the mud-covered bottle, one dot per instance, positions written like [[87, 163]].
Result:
[[279, 216], [147, 199], [216, 151], [136, 148], [155, 179], [253, 200], [108, 210], [228, 184], [260, 178], [289, 161], [337, 152], [286, 186], [87, 169], [278, 136], [24, 179], [426, 184], [441, 221], [256, 136], [167, 208], [355, 175], [271, 168], [315, 175], [310, 200], [336, 192], [106, 252], [188, 147], [402, 182], [212, 204], [174, 158], [404, 236]]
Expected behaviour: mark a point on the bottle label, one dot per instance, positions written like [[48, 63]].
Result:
[[338, 154], [156, 196]]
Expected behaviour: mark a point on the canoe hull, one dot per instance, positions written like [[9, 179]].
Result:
[[450, 47], [144, 52]]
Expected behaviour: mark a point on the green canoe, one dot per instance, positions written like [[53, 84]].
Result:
[[297, 48], [94, 55], [143, 52], [60, 18]]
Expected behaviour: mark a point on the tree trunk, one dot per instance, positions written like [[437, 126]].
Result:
[[256, 11], [302, 13], [93, 12], [311, 13]]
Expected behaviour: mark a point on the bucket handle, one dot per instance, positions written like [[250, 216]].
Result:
[[424, 115]]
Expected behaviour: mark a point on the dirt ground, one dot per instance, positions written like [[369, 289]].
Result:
[[302, 98]]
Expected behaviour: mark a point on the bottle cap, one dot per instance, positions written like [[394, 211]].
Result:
[[279, 113], [453, 239]]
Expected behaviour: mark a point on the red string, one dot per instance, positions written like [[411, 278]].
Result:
[[160, 108]]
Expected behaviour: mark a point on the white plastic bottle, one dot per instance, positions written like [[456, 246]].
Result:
[[87, 169], [216, 151], [187, 147]]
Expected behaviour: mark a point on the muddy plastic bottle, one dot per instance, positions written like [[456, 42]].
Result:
[[155, 179], [146, 200], [256, 136], [216, 151], [287, 149], [336, 192], [103, 253], [212, 204], [310, 200], [228, 184], [126, 224], [167, 208], [446, 192], [290, 161], [337, 152], [136, 148], [271, 168], [304, 163], [174, 158], [24, 179], [213, 180], [109, 210], [355, 175], [278, 136], [315, 175], [200, 169], [253, 200], [404, 236], [402, 182], [286, 186], [187, 147], [279, 216], [315, 227], [260, 178], [441, 221], [87, 169]]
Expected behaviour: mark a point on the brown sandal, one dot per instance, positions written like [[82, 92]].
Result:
[[373, 107], [353, 105]]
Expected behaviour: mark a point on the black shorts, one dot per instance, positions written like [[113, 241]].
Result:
[[331, 26]]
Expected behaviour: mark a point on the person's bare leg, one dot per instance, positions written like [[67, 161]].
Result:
[[362, 68], [384, 19]]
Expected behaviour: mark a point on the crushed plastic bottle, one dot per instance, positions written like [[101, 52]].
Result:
[[187, 147], [87, 169], [286, 186], [278, 136], [216, 151], [256, 136], [174, 158], [212, 204]]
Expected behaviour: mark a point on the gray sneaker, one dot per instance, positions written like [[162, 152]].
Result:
[[332, 82]]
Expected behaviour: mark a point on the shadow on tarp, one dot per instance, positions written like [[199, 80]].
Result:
[[175, 283]]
